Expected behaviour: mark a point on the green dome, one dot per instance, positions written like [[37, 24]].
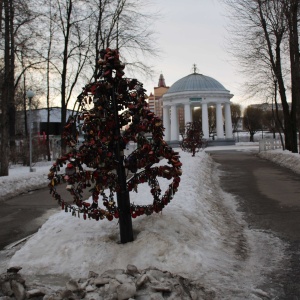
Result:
[[196, 82]]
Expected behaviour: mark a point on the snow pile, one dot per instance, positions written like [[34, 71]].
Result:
[[199, 235], [283, 158], [20, 180]]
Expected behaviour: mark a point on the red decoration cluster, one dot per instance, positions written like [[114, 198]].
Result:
[[93, 164], [192, 142]]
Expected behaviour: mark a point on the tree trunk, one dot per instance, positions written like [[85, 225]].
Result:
[[4, 159], [291, 12], [278, 123], [48, 86], [275, 60], [98, 41], [11, 100], [251, 137], [1, 13], [48, 114], [7, 88], [64, 74]]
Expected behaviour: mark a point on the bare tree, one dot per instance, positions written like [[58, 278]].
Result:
[[276, 116], [270, 121], [126, 25], [291, 10], [252, 120], [48, 73], [7, 88], [16, 18], [212, 120], [197, 117], [236, 113], [261, 45], [73, 39]]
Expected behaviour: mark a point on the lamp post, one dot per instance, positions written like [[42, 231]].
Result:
[[30, 95]]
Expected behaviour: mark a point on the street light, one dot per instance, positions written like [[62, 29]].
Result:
[[30, 95]]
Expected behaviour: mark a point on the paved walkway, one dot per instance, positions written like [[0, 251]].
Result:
[[269, 195], [23, 215]]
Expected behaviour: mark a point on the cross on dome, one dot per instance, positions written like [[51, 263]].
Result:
[[195, 69]]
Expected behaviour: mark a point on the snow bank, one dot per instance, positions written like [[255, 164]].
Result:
[[20, 180], [199, 235], [283, 158]]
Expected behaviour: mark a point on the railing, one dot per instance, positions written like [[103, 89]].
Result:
[[269, 144]]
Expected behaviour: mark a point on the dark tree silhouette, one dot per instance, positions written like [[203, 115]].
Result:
[[192, 142], [252, 120]]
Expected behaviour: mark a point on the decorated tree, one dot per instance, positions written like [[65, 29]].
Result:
[[99, 164], [192, 141]]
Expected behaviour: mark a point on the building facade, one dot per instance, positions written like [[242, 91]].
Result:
[[155, 100], [189, 92], [39, 121]]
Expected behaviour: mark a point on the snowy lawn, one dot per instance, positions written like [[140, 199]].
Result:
[[199, 235]]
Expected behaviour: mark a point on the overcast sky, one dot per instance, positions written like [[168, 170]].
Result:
[[194, 32]]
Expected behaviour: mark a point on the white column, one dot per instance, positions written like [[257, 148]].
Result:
[[228, 122], [174, 124], [219, 117], [166, 120], [187, 113], [205, 121]]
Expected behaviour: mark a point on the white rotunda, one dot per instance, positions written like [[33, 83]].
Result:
[[197, 90]]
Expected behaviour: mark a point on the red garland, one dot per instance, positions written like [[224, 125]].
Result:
[[192, 141], [97, 150]]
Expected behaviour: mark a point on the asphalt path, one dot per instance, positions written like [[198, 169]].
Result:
[[269, 197], [23, 215]]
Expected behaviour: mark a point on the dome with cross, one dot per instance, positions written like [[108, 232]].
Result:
[[196, 82], [192, 92]]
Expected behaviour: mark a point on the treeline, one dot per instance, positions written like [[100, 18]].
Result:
[[52, 47], [253, 118], [264, 38]]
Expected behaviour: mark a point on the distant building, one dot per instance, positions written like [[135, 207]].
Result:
[[39, 121], [189, 92], [155, 100]]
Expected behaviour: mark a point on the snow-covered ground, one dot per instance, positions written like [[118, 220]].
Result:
[[199, 235]]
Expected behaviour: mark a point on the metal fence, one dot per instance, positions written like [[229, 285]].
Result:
[[269, 144]]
